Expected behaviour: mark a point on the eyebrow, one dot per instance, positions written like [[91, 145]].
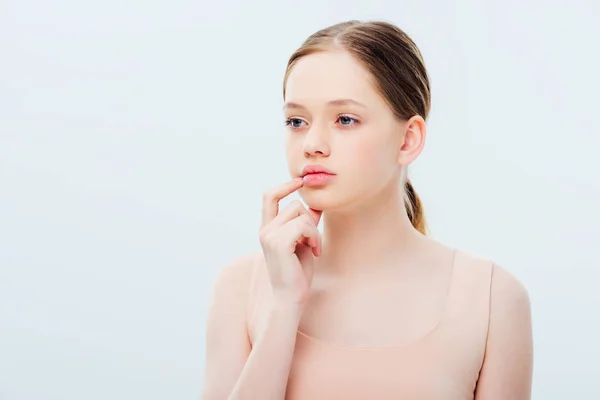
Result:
[[332, 103]]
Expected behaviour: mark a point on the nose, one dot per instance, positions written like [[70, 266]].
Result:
[[316, 143]]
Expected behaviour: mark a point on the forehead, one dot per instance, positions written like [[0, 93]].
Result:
[[324, 76]]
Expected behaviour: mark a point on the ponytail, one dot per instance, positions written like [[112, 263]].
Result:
[[414, 208]]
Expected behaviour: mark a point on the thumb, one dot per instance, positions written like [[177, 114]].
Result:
[[316, 215]]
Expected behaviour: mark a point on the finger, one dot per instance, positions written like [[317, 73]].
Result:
[[316, 250], [304, 255], [272, 197], [319, 249], [299, 230], [293, 210], [316, 215], [296, 210]]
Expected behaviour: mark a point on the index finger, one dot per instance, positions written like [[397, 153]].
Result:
[[272, 197]]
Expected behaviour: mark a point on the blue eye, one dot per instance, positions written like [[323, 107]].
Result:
[[347, 121], [344, 120], [294, 122]]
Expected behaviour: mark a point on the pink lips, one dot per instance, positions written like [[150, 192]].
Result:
[[316, 175]]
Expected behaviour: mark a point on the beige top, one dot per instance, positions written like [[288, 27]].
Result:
[[443, 364]]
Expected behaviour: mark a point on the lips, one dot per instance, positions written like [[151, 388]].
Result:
[[315, 169], [316, 175]]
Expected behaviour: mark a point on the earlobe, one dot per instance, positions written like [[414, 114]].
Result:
[[414, 140]]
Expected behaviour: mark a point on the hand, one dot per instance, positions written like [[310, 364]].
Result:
[[290, 241]]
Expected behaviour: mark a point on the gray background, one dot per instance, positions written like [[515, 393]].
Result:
[[136, 139]]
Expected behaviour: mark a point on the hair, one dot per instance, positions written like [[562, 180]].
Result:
[[398, 71]]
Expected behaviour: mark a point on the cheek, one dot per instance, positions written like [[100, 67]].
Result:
[[293, 153], [372, 160]]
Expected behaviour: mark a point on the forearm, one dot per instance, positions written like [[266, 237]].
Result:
[[266, 372]]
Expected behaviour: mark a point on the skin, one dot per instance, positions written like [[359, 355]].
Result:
[[368, 255]]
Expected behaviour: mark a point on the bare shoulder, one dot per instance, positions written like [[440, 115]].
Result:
[[236, 276], [504, 283], [507, 292], [232, 283], [510, 322], [507, 288], [227, 345], [508, 362], [509, 298], [229, 298]]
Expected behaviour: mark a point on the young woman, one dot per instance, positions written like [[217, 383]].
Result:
[[372, 308]]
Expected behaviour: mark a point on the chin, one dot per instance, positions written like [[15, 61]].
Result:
[[322, 198]]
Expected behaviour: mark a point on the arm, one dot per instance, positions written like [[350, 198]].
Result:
[[508, 364], [235, 370]]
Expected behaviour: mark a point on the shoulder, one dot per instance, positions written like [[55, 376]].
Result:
[[510, 306], [503, 283], [240, 268], [235, 277], [508, 356], [226, 342], [508, 300], [507, 289], [506, 292]]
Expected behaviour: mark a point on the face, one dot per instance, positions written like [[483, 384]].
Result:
[[336, 119]]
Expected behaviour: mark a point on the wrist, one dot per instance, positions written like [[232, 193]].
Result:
[[289, 311]]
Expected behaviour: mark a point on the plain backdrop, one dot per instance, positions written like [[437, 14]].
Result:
[[136, 139]]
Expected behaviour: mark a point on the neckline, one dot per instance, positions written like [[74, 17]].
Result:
[[411, 342]]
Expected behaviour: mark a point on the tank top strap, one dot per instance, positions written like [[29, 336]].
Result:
[[468, 306]]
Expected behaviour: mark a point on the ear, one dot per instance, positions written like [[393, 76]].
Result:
[[414, 140]]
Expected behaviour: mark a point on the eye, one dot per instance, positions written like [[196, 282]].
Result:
[[347, 121], [295, 123]]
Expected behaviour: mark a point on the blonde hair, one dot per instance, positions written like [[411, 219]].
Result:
[[399, 72]]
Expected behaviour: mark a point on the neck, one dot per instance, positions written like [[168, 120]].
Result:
[[374, 233]]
